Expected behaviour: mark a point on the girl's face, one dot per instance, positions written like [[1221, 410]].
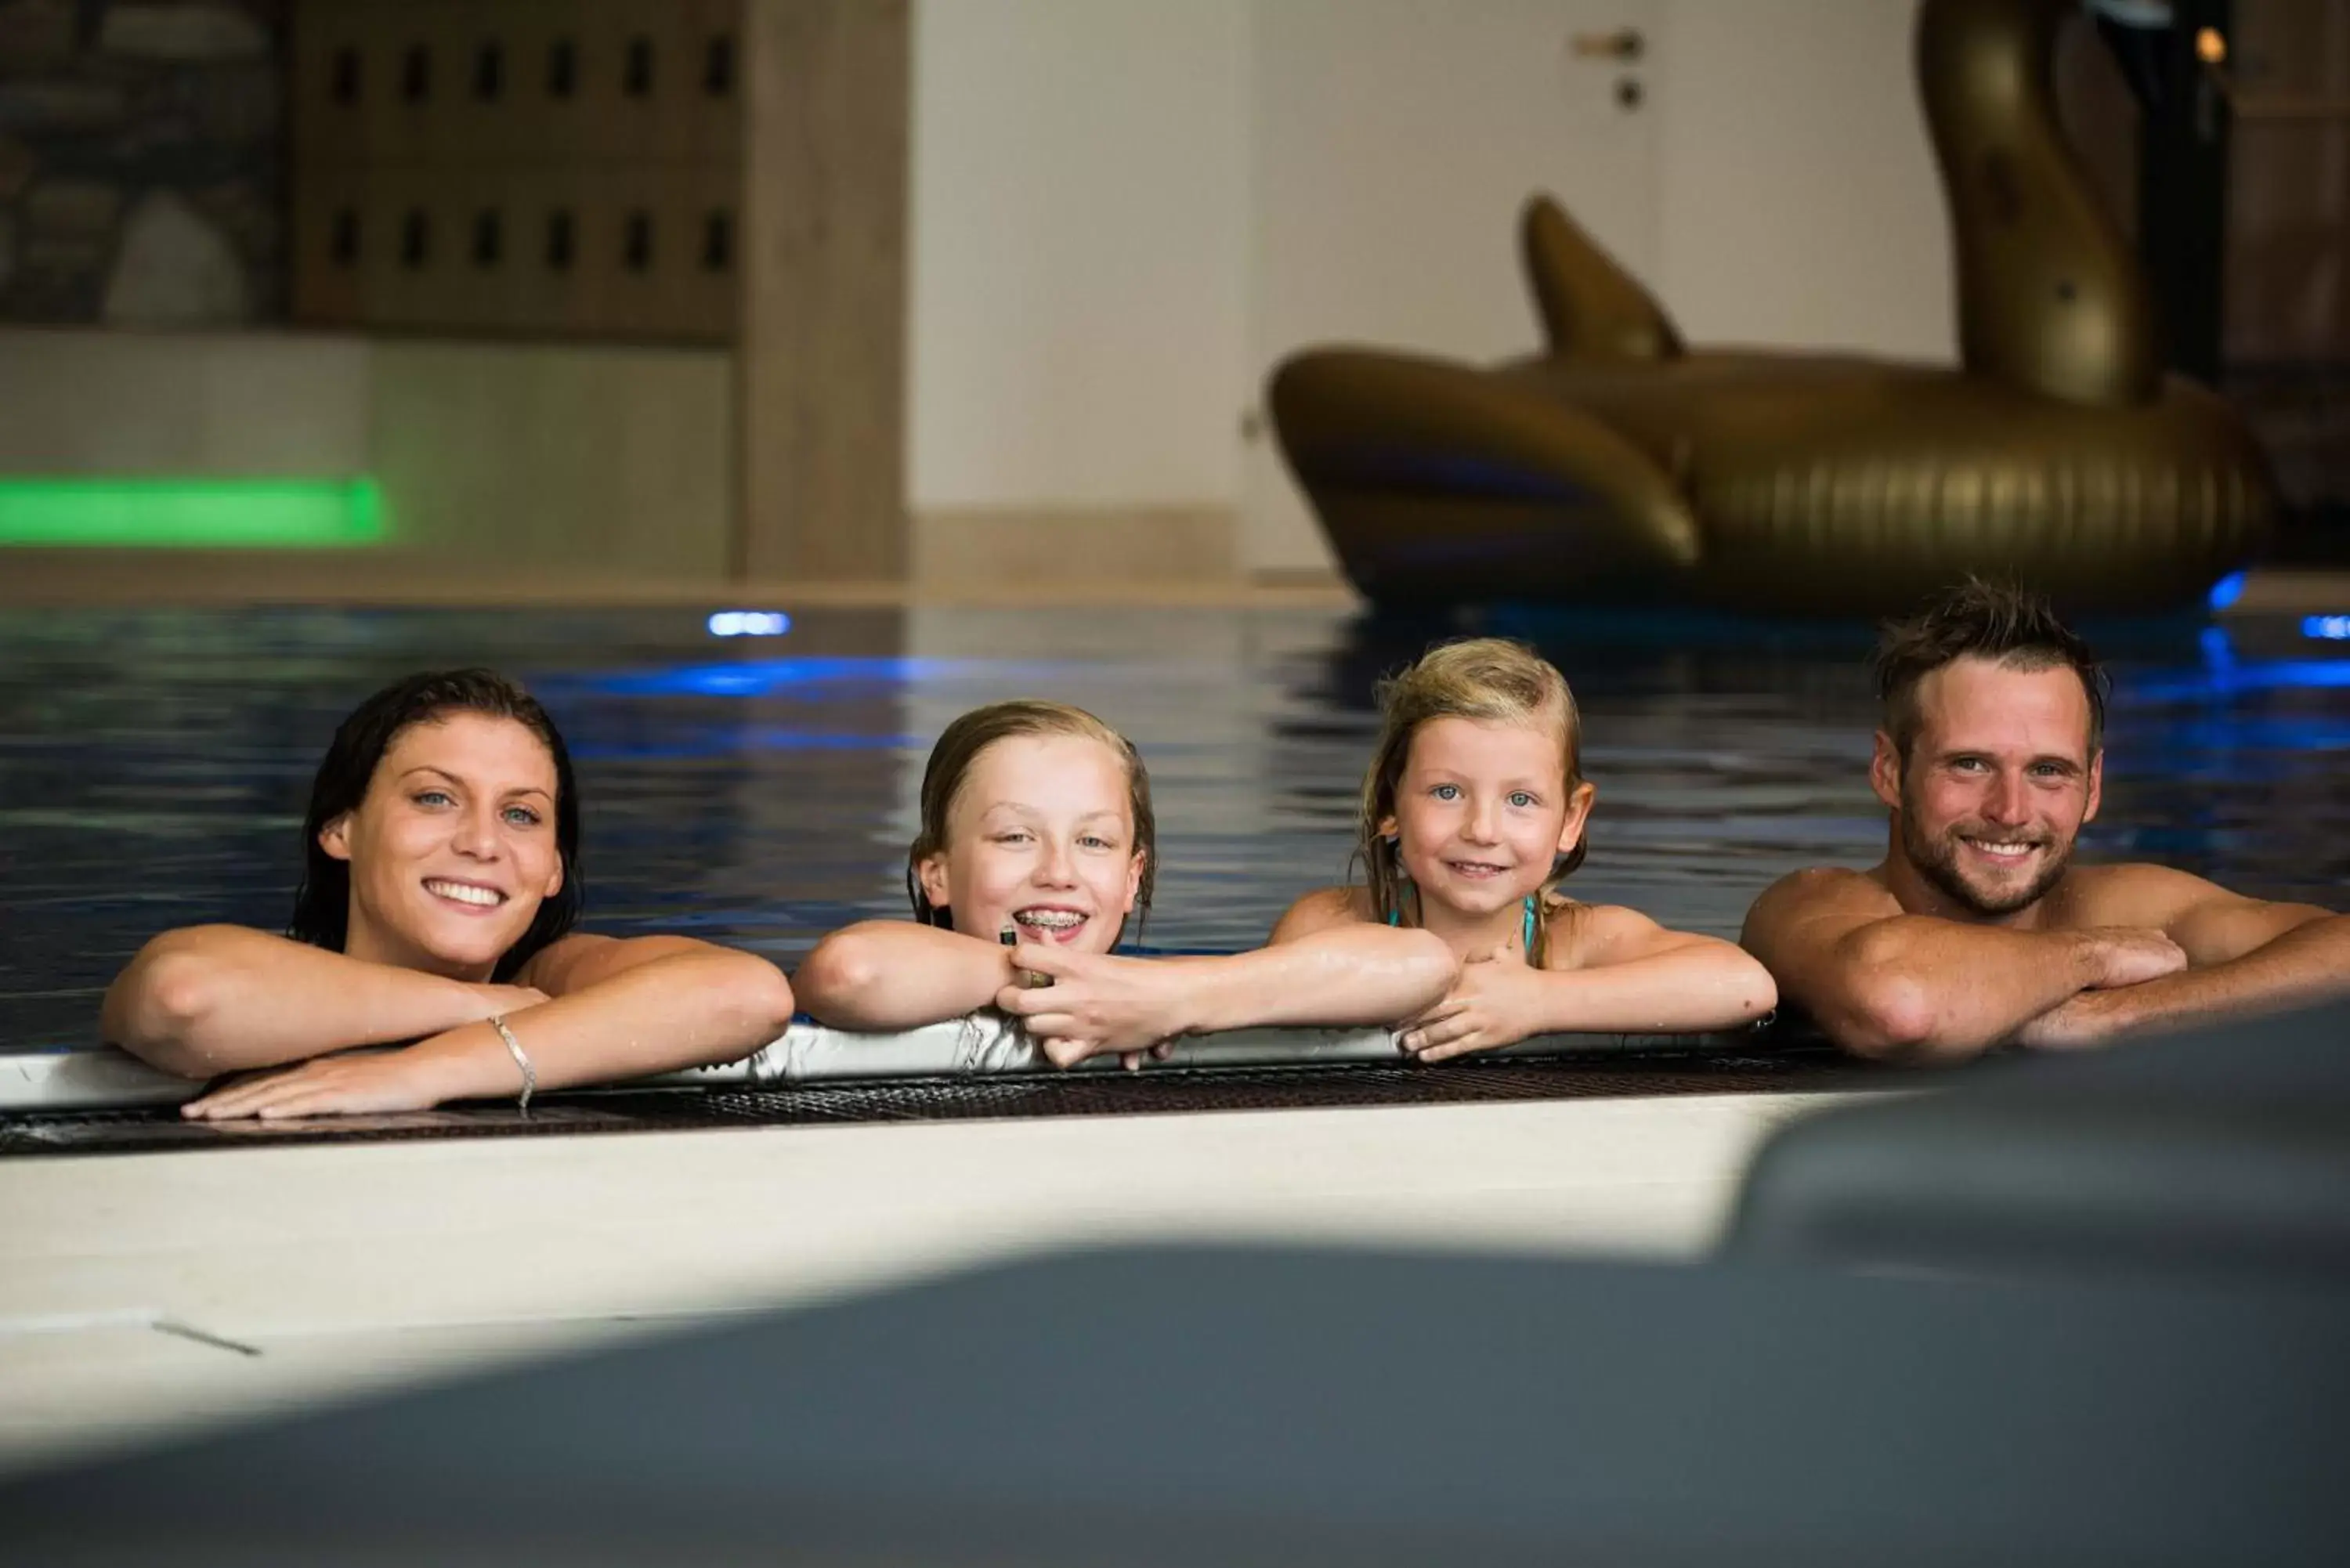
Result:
[[453, 850], [1482, 811], [1040, 837]]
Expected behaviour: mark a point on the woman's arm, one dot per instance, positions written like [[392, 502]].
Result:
[[620, 1010], [1630, 975], [206, 999], [1345, 974], [881, 975]]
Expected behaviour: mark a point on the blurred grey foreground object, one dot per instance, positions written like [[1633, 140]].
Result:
[[1226, 1407], [2224, 1153]]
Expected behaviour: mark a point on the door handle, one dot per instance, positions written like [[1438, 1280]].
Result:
[[1623, 45]]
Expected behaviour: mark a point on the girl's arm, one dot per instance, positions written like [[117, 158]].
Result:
[[1628, 975], [881, 975], [620, 1010], [206, 999], [1353, 973]]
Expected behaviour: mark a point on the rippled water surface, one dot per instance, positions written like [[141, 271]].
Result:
[[154, 764]]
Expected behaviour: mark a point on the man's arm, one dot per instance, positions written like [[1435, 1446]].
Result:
[[2247, 956], [1884, 983]]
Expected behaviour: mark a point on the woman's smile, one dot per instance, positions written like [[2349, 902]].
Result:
[[472, 898]]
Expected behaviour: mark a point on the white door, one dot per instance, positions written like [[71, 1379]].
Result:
[[1395, 141]]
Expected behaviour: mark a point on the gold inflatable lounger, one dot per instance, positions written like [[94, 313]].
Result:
[[99, 1077]]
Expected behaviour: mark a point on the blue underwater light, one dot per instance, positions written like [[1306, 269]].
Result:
[[749, 623], [2227, 591], [2327, 628]]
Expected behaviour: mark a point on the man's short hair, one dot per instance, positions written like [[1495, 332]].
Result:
[[1997, 621]]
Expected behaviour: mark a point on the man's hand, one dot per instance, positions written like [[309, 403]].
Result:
[[2122, 957], [1096, 1004], [2130, 955], [1494, 1001], [2092, 1018], [361, 1085]]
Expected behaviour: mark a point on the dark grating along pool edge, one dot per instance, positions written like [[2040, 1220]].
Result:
[[1159, 1093]]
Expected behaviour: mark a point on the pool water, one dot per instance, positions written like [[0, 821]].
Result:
[[760, 790]]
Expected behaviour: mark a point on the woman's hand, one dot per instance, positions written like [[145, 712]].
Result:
[[1496, 1000], [1096, 1004], [359, 1085], [370, 1083]]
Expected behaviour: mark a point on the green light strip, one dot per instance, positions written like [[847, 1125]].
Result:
[[200, 514]]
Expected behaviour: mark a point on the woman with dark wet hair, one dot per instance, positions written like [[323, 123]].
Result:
[[440, 893]]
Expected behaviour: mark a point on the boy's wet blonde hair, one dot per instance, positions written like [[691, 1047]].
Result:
[[1487, 679], [959, 746]]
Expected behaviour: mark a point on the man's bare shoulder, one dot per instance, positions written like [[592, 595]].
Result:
[[2130, 893], [1804, 908], [1821, 889]]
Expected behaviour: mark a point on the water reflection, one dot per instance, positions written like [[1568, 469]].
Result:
[[153, 764]]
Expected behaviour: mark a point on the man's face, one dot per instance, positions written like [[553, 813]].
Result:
[[1997, 782]]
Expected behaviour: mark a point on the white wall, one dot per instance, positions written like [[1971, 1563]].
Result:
[[1798, 201], [1395, 143], [1078, 312], [1083, 276]]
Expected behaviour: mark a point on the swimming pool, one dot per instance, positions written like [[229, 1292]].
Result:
[[759, 789]]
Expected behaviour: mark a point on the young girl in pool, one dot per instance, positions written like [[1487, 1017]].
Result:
[[1037, 821], [1473, 811], [437, 905]]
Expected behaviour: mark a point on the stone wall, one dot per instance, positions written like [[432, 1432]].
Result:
[[142, 149]]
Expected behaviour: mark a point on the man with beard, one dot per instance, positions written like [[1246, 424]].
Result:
[[1976, 927]]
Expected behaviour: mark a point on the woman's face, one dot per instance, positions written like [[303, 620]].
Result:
[[453, 850], [1482, 811], [1040, 837]]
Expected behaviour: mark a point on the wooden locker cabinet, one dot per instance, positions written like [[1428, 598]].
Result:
[[566, 168]]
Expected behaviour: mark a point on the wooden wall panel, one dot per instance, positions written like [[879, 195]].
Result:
[[588, 462], [479, 120], [821, 343]]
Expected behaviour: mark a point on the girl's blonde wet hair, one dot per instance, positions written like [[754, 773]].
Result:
[[1487, 679], [958, 748]]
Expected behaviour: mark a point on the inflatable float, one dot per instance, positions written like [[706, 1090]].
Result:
[[1621, 467]]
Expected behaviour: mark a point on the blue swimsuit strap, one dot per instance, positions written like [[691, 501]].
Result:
[[1395, 917]]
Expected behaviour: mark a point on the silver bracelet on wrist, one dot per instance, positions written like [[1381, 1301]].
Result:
[[514, 1048]]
